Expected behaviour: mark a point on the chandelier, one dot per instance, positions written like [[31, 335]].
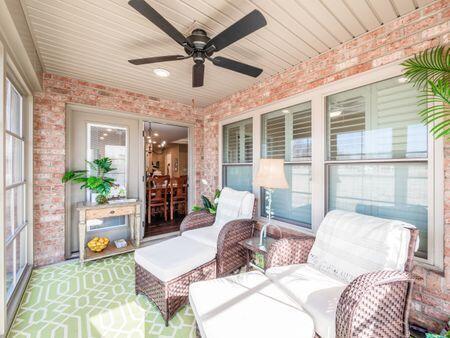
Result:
[[153, 141]]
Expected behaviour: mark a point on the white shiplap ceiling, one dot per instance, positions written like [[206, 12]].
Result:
[[93, 39]]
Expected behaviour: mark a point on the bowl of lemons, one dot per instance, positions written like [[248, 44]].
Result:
[[98, 244]]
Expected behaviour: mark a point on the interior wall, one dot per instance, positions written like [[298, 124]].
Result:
[[49, 148], [394, 41]]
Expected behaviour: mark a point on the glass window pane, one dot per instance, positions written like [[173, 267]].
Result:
[[387, 190], [238, 142], [9, 260], [21, 252], [293, 204], [14, 209], [378, 121], [238, 177], [286, 133], [109, 141], [14, 160], [13, 109]]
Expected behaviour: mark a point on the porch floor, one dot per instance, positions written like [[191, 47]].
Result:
[[97, 300]]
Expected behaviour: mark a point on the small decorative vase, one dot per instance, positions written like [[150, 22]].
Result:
[[101, 199]]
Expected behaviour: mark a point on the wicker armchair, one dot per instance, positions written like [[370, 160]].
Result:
[[352, 280], [375, 304], [212, 252], [230, 256]]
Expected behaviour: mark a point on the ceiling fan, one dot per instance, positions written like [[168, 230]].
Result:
[[199, 46]]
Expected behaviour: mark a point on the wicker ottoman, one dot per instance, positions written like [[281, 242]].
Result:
[[165, 270]]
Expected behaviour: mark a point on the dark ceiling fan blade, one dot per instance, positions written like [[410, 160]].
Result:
[[237, 66], [151, 14], [198, 74], [240, 29], [144, 61]]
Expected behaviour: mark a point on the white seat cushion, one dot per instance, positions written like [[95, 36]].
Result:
[[233, 204], [206, 235], [247, 305], [348, 244], [316, 292], [174, 257]]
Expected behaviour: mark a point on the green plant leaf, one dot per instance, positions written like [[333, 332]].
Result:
[[430, 72], [206, 202], [197, 208], [430, 65]]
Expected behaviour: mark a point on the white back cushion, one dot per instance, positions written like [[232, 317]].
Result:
[[233, 204], [349, 244]]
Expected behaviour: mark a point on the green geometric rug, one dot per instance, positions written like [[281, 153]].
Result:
[[97, 300]]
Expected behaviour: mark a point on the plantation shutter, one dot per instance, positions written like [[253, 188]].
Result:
[[237, 168], [376, 121], [301, 132], [347, 121], [274, 136], [396, 109]]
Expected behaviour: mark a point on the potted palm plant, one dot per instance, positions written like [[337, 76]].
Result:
[[429, 71], [98, 183]]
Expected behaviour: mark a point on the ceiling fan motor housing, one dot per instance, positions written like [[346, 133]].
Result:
[[198, 39]]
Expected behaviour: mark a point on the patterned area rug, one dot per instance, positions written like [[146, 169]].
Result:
[[97, 300]]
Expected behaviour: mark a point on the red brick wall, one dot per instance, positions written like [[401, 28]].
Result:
[[393, 41], [49, 148]]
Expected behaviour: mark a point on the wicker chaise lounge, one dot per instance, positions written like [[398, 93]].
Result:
[[352, 280], [207, 248]]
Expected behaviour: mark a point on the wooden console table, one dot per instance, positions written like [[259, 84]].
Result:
[[88, 211]]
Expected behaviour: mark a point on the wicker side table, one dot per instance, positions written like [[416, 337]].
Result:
[[252, 247]]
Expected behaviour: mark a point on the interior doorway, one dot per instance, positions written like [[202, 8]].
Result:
[[166, 178]]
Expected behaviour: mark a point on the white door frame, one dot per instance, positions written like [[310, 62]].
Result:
[[191, 167], [70, 107]]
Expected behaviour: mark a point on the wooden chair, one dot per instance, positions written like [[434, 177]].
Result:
[[178, 195], [157, 196]]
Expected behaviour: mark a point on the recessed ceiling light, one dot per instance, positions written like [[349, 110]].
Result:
[[105, 134], [335, 113], [161, 72], [109, 129], [154, 142], [102, 138], [155, 134], [285, 111]]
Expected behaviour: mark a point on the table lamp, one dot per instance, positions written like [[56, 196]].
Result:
[[270, 176]]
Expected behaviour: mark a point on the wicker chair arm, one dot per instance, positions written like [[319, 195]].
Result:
[[230, 255], [289, 251], [197, 219], [375, 304]]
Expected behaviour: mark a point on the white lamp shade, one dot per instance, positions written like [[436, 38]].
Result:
[[271, 174]]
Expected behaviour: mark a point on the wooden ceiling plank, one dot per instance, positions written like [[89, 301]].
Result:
[[423, 3], [321, 13], [404, 6], [345, 16], [261, 39], [301, 16], [364, 13], [384, 9], [284, 19]]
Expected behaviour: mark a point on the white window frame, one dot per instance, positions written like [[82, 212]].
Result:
[[317, 96], [8, 70], [242, 150]]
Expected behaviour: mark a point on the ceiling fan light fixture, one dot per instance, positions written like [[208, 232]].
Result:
[[161, 72]]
